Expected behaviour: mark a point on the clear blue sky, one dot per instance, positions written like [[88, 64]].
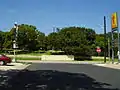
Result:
[[46, 14]]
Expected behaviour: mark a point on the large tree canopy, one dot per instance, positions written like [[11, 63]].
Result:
[[73, 40], [28, 37]]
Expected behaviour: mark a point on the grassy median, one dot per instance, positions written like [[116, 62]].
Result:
[[39, 58], [26, 58]]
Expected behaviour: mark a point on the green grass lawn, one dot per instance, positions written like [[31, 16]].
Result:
[[94, 60], [37, 54], [18, 58], [33, 54], [102, 60], [47, 53], [27, 58]]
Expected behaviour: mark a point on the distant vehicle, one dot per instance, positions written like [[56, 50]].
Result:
[[4, 59]]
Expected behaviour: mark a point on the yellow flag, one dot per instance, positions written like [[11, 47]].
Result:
[[114, 21]]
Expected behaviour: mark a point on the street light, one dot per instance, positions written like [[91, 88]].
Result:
[[15, 39]]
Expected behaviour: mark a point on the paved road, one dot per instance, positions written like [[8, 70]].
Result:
[[50, 76]]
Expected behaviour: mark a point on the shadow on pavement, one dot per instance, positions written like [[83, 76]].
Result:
[[52, 80], [9, 65], [6, 65]]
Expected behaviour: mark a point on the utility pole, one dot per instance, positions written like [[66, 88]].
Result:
[[109, 48], [15, 40], [112, 47], [118, 40], [104, 39]]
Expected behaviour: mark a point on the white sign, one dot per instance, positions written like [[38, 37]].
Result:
[[14, 45]]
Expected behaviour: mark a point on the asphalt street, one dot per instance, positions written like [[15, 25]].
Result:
[[50, 76]]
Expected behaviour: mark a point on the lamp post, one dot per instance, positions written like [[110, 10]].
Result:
[[15, 39]]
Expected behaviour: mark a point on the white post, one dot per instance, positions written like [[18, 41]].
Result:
[[14, 60], [14, 46]]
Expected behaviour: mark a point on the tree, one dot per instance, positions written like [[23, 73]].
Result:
[[28, 37], [100, 40], [73, 40], [40, 40], [8, 40], [2, 39], [52, 41]]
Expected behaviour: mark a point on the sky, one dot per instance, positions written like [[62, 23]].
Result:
[[46, 14]]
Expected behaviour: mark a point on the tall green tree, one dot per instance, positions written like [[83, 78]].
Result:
[[40, 40], [28, 37], [2, 39], [8, 43], [52, 41], [73, 40]]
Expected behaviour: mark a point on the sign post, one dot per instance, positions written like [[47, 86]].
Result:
[[15, 46], [114, 25]]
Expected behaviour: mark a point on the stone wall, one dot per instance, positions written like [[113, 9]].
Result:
[[57, 57]]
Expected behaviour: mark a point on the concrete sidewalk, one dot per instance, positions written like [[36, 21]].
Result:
[[113, 66], [14, 66]]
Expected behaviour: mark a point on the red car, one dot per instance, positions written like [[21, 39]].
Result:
[[4, 59]]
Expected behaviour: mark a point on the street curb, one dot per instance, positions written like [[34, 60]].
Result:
[[24, 62], [69, 62]]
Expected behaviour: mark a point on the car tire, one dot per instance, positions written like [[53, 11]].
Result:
[[2, 63]]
